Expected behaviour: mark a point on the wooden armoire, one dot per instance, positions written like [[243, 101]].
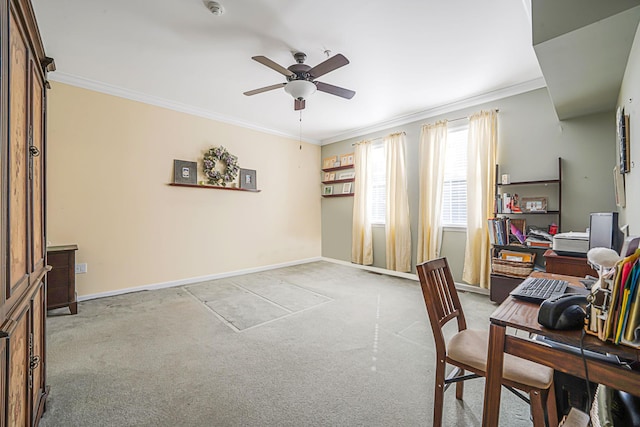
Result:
[[23, 68]]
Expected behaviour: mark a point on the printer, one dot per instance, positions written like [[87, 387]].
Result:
[[573, 243]]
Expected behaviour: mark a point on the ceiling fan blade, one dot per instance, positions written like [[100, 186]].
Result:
[[265, 89], [274, 66], [298, 104], [335, 90], [330, 64]]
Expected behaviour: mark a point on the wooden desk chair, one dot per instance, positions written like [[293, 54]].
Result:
[[467, 350]]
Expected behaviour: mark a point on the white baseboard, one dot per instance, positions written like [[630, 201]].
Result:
[[470, 288], [190, 280], [197, 279], [411, 276]]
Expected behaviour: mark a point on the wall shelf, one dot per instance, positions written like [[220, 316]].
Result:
[[339, 168], [338, 195], [212, 187], [528, 213], [339, 181], [544, 181]]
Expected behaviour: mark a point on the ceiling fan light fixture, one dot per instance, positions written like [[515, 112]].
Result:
[[300, 89], [214, 7]]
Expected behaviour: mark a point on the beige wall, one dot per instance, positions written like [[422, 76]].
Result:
[[109, 162]]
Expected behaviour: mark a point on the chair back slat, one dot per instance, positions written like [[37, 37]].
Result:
[[440, 296]]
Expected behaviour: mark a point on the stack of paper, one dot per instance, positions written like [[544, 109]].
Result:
[[622, 323]]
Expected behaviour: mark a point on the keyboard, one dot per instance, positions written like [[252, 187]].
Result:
[[535, 289]]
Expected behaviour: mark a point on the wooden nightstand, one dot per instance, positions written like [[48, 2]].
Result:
[[61, 280]]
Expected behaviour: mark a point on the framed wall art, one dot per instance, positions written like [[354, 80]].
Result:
[[248, 179], [184, 172], [622, 136]]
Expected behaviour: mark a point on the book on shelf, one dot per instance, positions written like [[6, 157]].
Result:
[[505, 231], [498, 231], [516, 232], [535, 243]]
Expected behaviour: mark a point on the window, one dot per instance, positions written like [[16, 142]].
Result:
[[378, 201], [454, 194]]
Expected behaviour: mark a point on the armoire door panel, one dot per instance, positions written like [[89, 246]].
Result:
[[37, 155], [3, 376], [18, 245], [18, 388], [4, 138], [37, 359]]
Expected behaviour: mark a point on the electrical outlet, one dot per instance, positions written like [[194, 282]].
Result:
[[81, 268]]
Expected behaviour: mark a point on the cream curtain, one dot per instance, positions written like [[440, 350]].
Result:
[[433, 142], [361, 240], [481, 160], [397, 228]]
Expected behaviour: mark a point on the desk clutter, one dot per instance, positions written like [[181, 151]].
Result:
[[615, 300]]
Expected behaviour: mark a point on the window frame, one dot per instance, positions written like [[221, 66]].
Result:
[[377, 147], [459, 127]]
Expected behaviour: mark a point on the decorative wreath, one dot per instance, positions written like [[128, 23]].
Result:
[[231, 169]]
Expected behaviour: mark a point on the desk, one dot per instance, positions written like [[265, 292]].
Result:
[[523, 316]]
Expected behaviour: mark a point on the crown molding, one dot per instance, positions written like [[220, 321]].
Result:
[[443, 109], [105, 88]]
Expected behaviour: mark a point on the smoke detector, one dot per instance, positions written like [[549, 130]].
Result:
[[214, 7]]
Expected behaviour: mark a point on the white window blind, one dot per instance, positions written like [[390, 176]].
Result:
[[377, 201], [454, 202]]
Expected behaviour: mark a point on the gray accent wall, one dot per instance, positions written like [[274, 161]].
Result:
[[629, 99], [530, 140]]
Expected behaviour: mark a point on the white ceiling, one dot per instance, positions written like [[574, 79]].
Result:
[[407, 57]]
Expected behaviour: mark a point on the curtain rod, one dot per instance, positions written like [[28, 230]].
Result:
[[378, 138], [497, 110]]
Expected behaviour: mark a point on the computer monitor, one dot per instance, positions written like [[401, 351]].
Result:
[[604, 231]]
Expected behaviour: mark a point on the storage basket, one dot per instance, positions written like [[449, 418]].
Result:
[[510, 268]]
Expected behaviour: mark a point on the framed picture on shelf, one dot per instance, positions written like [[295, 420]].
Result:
[[347, 175], [328, 190], [326, 176], [533, 204], [248, 179], [184, 172], [346, 188], [328, 162], [346, 159], [332, 176]]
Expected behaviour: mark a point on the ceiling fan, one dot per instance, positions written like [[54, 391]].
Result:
[[301, 81]]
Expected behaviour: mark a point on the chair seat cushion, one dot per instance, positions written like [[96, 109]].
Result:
[[470, 348]]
